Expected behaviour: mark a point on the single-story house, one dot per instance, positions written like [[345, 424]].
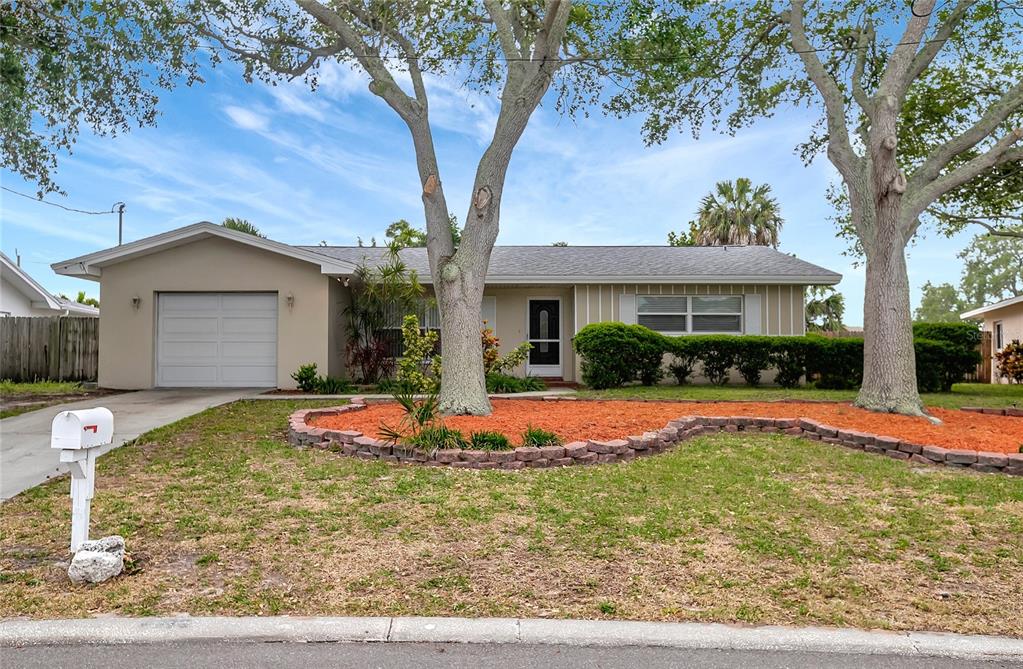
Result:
[[21, 295], [204, 305], [1004, 320]]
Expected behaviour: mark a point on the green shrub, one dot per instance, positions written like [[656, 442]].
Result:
[[488, 440], [836, 362], [752, 357], [931, 357], [789, 356], [503, 383], [305, 377], [963, 335], [418, 367], [682, 368], [535, 436], [718, 353], [614, 354], [1010, 363], [330, 385]]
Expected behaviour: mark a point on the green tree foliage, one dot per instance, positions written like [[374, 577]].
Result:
[[82, 298], [939, 303], [992, 269], [824, 309], [921, 115], [683, 238], [405, 235], [242, 225], [738, 214], [74, 63]]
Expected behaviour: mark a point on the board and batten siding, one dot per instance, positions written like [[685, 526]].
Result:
[[782, 307]]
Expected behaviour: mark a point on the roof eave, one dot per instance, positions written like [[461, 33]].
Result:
[[980, 311], [809, 280], [90, 266]]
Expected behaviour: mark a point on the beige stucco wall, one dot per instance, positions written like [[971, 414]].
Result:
[[1011, 318], [512, 303], [127, 335]]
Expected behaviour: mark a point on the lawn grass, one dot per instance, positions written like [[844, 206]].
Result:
[[223, 517], [18, 397], [8, 387], [963, 394]]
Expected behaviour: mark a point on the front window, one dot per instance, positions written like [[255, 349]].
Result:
[[999, 342], [717, 313], [695, 314], [663, 313], [390, 334]]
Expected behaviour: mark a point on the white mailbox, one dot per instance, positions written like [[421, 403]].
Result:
[[85, 428], [78, 434]]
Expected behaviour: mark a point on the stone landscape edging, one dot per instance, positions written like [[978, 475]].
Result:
[[355, 444]]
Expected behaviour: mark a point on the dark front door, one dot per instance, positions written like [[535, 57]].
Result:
[[545, 336]]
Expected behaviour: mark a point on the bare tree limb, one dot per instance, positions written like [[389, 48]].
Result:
[[839, 149], [866, 38]]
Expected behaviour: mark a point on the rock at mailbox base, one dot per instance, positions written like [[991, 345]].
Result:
[[98, 560]]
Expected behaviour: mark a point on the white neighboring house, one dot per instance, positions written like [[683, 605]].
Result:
[[21, 295]]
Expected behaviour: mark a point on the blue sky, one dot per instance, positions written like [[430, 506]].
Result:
[[336, 164]]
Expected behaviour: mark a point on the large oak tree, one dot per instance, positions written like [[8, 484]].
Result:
[[518, 50], [921, 115]]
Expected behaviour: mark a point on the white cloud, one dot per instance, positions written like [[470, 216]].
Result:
[[246, 119]]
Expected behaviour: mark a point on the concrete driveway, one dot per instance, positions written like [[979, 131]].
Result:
[[26, 459]]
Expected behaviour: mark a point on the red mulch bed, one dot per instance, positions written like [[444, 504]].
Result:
[[580, 420]]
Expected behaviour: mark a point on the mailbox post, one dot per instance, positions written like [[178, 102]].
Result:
[[78, 435]]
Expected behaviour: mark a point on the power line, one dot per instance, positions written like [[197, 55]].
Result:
[[55, 204]]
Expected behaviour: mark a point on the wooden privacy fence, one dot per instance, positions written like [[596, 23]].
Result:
[[983, 372], [54, 348]]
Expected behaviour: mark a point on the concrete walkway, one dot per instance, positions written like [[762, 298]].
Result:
[[26, 459], [511, 631]]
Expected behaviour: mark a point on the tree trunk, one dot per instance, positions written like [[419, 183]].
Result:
[[889, 360], [463, 388]]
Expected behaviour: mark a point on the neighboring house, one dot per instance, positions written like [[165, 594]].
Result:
[[21, 295], [1004, 320], [204, 305]]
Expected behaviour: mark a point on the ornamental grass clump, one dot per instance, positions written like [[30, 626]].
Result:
[[538, 437], [489, 440]]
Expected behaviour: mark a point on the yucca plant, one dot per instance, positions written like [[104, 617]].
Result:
[[420, 413]]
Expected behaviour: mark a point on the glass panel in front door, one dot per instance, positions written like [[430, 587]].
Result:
[[544, 332]]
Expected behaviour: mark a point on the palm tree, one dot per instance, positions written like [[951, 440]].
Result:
[[824, 310], [739, 215], [242, 225]]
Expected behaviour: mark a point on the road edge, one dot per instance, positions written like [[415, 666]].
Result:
[[594, 633]]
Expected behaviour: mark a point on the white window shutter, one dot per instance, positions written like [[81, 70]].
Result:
[[488, 311], [627, 308], [751, 314]]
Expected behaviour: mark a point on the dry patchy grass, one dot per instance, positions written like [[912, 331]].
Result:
[[223, 517]]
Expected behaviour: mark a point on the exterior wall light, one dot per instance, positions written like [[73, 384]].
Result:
[[290, 299], [136, 302]]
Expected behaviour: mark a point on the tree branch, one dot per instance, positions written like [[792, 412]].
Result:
[[895, 79], [996, 114], [866, 37], [1000, 152], [930, 50], [839, 149]]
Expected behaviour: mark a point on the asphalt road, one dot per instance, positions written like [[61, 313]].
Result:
[[234, 655]]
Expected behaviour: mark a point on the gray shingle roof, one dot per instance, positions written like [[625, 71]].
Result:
[[578, 264]]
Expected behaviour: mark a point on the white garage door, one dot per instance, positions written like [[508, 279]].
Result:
[[216, 339]]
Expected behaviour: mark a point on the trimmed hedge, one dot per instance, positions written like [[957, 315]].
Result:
[[615, 354]]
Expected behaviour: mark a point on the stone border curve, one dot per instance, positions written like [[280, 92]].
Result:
[[355, 444]]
